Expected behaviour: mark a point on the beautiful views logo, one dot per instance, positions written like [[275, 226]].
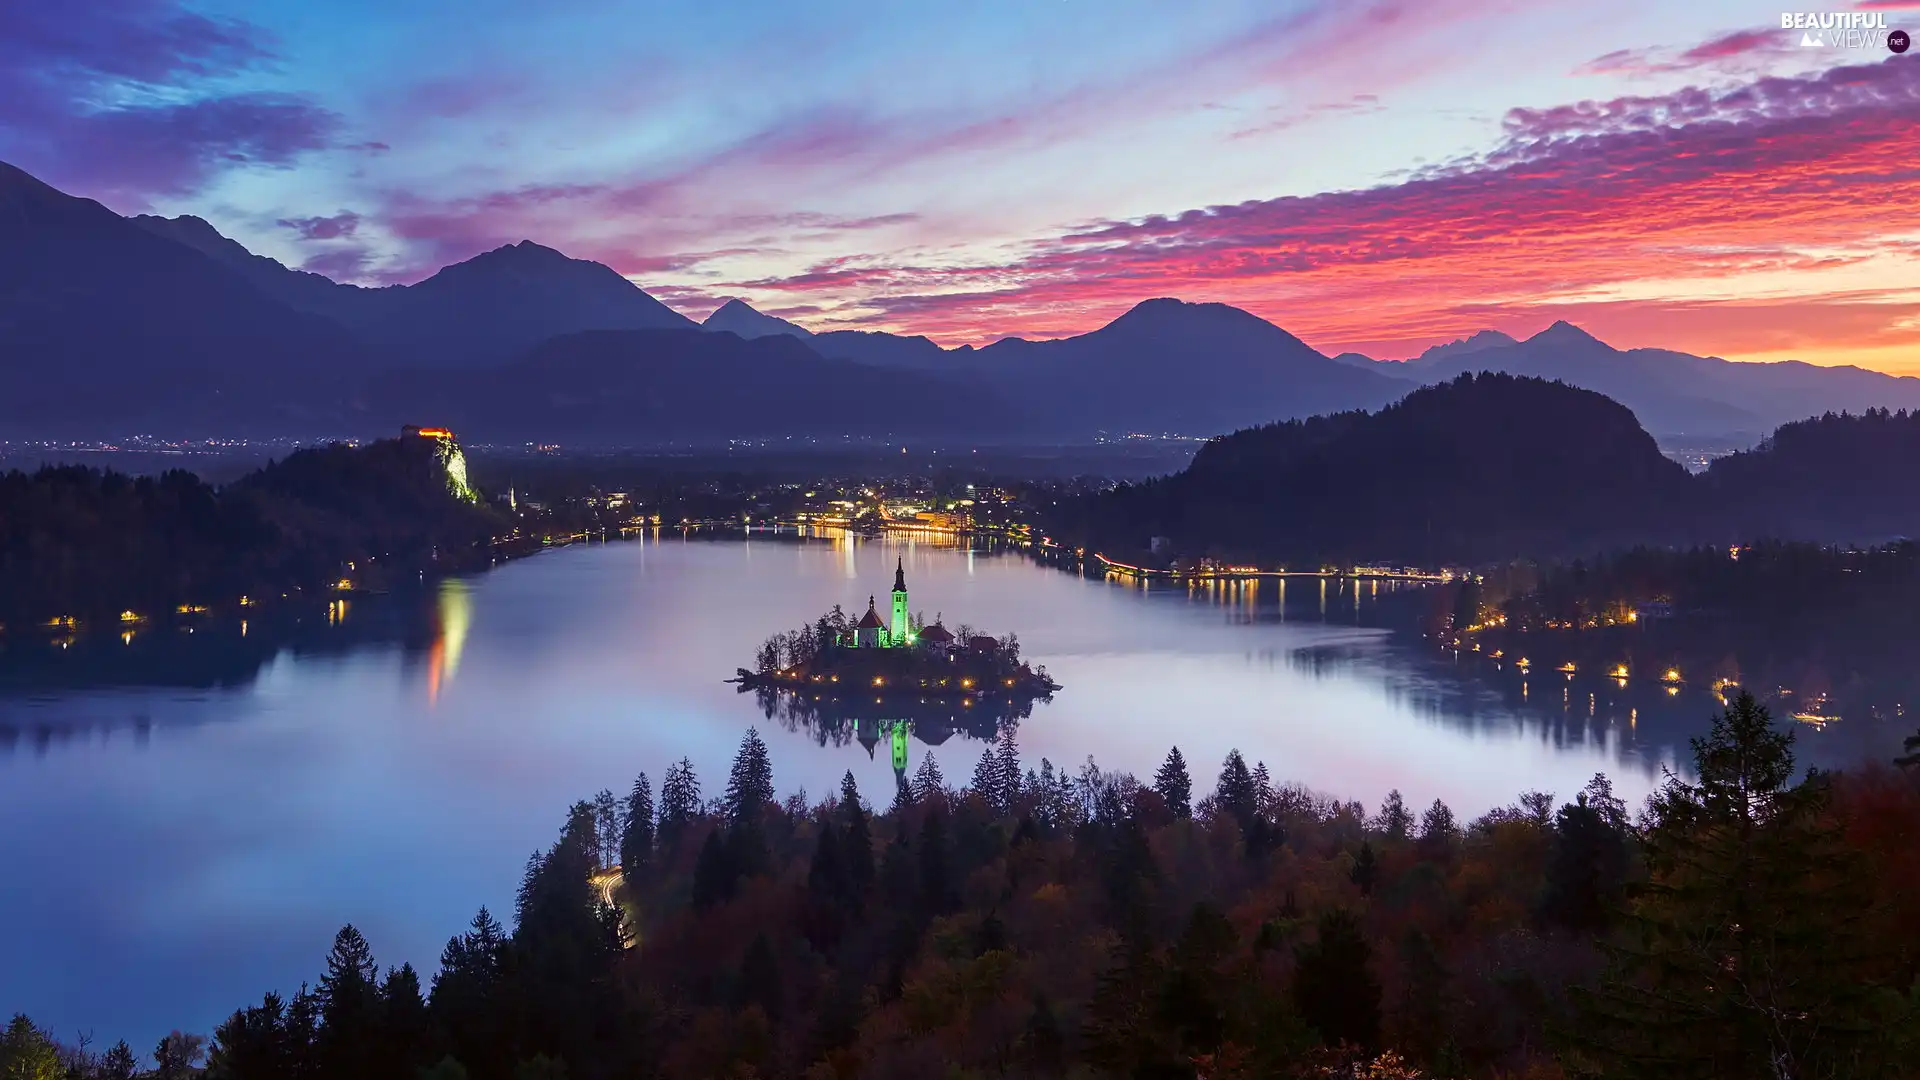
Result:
[[1844, 30]]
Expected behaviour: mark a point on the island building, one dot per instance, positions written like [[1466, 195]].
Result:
[[873, 632]]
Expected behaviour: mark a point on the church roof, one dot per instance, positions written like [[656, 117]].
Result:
[[900, 576], [937, 634], [871, 620]]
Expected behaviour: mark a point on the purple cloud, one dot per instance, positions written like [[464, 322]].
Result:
[[1735, 51], [75, 79]]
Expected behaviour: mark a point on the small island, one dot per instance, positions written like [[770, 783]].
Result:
[[897, 657]]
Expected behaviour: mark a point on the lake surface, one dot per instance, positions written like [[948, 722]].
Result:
[[189, 817]]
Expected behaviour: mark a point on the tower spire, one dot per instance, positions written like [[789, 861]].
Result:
[[900, 576]]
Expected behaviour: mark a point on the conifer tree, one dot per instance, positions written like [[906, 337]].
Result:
[[349, 997], [303, 1032], [1174, 785], [1234, 794], [468, 992], [606, 829], [1366, 869], [1747, 952], [1395, 820], [636, 840], [1437, 832], [403, 1021], [750, 784], [679, 804], [1334, 987], [118, 1063], [986, 779], [27, 1053], [1262, 789], [1008, 762], [928, 780], [857, 850], [1587, 864], [251, 1043]]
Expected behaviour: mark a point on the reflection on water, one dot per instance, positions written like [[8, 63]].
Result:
[[254, 785], [456, 616]]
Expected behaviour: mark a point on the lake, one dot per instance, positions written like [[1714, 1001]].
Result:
[[190, 816]]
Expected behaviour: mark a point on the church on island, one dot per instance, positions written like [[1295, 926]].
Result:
[[897, 633], [893, 654]]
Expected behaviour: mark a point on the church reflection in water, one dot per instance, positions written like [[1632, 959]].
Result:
[[896, 722]]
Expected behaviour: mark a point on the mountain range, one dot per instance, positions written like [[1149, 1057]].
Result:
[[111, 325], [1672, 393], [1491, 467]]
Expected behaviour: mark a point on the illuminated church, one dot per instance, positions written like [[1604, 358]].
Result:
[[872, 633]]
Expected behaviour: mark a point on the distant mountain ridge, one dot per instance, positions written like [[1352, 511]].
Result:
[[110, 325], [1673, 393], [1479, 468]]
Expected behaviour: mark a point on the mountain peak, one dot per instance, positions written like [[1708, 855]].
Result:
[[1478, 342], [1161, 308], [1563, 333], [736, 316]]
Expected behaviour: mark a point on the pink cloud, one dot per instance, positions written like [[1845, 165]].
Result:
[[1698, 183]]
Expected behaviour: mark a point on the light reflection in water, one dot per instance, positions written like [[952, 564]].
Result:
[[456, 618]]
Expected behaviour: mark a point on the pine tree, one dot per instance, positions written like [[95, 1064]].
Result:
[[1748, 951], [349, 997], [467, 990], [857, 850], [1008, 761], [1438, 832], [636, 840], [927, 780], [679, 804], [303, 1032], [1174, 785], [403, 1018], [1334, 988], [1234, 794], [27, 1053], [1587, 863], [118, 1063], [1366, 869], [251, 1044], [607, 828], [750, 784], [986, 780], [1262, 789], [1395, 820]]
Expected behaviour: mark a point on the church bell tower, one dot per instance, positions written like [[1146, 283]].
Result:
[[898, 631]]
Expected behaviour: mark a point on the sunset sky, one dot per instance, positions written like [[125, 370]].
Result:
[[1378, 176]]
